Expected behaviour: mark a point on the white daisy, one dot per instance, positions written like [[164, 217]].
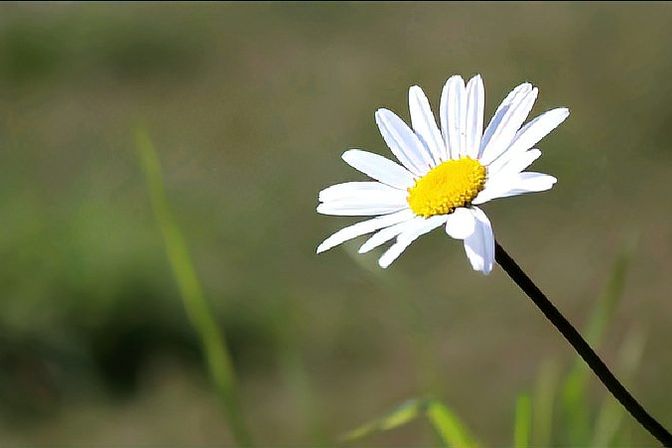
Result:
[[444, 174]]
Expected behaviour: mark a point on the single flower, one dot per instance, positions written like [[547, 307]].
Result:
[[444, 174]]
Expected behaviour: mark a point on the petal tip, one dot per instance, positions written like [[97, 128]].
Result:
[[384, 263], [382, 111], [348, 154], [477, 78]]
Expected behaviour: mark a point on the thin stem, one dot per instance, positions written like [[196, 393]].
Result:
[[582, 348], [213, 343]]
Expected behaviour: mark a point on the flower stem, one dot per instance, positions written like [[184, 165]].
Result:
[[582, 348]]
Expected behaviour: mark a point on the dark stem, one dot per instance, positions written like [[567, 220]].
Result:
[[582, 348]]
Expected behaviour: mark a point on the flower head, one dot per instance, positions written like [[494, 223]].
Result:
[[444, 173]]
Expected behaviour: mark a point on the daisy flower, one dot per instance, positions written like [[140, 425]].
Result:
[[443, 175]]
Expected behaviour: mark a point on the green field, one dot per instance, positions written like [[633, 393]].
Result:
[[248, 108]]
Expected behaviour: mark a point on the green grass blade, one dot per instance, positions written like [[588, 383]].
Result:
[[611, 296], [523, 422], [575, 407], [543, 403], [288, 322], [401, 415], [448, 426], [574, 391], [195, 304], [611, 413]]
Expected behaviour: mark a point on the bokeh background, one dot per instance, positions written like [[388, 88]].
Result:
[[249, 107]]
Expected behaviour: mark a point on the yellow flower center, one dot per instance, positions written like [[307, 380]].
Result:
[[453, 184]]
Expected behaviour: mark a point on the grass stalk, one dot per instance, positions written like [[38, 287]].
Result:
[[198, 311]]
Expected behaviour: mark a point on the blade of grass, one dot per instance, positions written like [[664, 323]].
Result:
[[611, 413], [543, 402], [611, 296], [448, 426], [450, 429], [292, 367], [523, 421], [399, 416], [574, 389], [197, 309]]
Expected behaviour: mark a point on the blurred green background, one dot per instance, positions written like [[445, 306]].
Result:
[[249, 107]]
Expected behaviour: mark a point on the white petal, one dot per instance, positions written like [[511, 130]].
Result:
[[512, 119], [538, 128], [513, 165], [345, 195], [424, 124], [359, 190], [364, 227], [499, 113], [493, 191], [460, 223], [388, 233], [411, 234], [403, 142], [534, 131], [489, 193], [480, 245], [379, 168], [453, 116], [345, 208], [515, 185], [475, 106], [531, 182]]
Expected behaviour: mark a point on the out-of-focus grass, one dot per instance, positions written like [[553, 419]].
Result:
[[401, 290], [531, 424], [609, 420], [451, 430], [544, 403], [522, 426], [251, 106], [574, 390], [212, 339], [448, 427], [198, 310], [292, 368]]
